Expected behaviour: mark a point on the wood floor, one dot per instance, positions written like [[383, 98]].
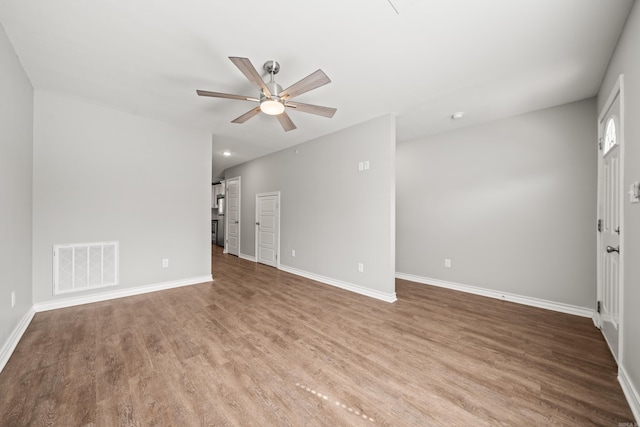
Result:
[[263, 347]]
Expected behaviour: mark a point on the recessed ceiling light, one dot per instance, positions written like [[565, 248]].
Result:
[[457, 115], [226, 153]]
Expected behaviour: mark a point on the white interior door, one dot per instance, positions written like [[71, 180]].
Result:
[[610, 204], [267, 228], [232, 197]]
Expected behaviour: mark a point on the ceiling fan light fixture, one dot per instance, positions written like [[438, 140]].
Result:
[[272, 107]]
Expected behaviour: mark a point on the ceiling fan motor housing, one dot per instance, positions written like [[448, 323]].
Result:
[[272, 105], [275, 90]]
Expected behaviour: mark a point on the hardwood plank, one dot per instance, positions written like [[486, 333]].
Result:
[[116, 411], [259, 346]]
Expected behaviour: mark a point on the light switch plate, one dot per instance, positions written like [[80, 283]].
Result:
[[634, 192]]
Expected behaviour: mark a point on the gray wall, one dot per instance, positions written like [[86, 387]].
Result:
[[16, 145], [331, 214], [627, 61], [512, 203], [101, 174]]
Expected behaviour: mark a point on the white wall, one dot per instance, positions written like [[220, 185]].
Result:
[[626, 60], [332, 215], [512, 203], [16, 145], [102, 174]]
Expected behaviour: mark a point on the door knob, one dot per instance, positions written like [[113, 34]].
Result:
[[612, 249], [257, 223]]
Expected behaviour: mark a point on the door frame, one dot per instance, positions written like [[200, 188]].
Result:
[[277, 195], [226, 216], [616, 91]]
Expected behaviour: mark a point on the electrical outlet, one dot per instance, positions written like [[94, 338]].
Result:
[[13, 299], [366, 165], [447, 263], [360, 166], [165, 263], [361, 267], [293, 253]]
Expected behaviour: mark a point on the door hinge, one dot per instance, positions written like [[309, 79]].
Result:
[[599, 307], [600, 144], [600, 225]]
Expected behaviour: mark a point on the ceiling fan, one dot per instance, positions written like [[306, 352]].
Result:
[[273, 100]]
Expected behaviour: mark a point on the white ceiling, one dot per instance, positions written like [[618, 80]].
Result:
[[489, 58]]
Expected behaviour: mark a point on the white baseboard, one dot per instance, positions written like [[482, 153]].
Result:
[[120, 293], [534, 302], [342, 285], [247, 257], [630, 392], [14, 338]]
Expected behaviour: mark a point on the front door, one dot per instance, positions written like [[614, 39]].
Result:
[[610, 214], [232, 239], [267, 228]]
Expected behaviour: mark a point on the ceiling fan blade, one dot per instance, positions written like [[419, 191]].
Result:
[[246, 116], [313, 109], [226, 95], [286, 122], [250, 73], [314, 80]]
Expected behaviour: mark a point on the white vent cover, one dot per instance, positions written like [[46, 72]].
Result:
[[82, 266]]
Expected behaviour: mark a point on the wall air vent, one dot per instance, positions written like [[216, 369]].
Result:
[[83, 266]]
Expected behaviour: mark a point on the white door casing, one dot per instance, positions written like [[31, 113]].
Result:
[[268, 228], [610, 217], [232, 238]]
